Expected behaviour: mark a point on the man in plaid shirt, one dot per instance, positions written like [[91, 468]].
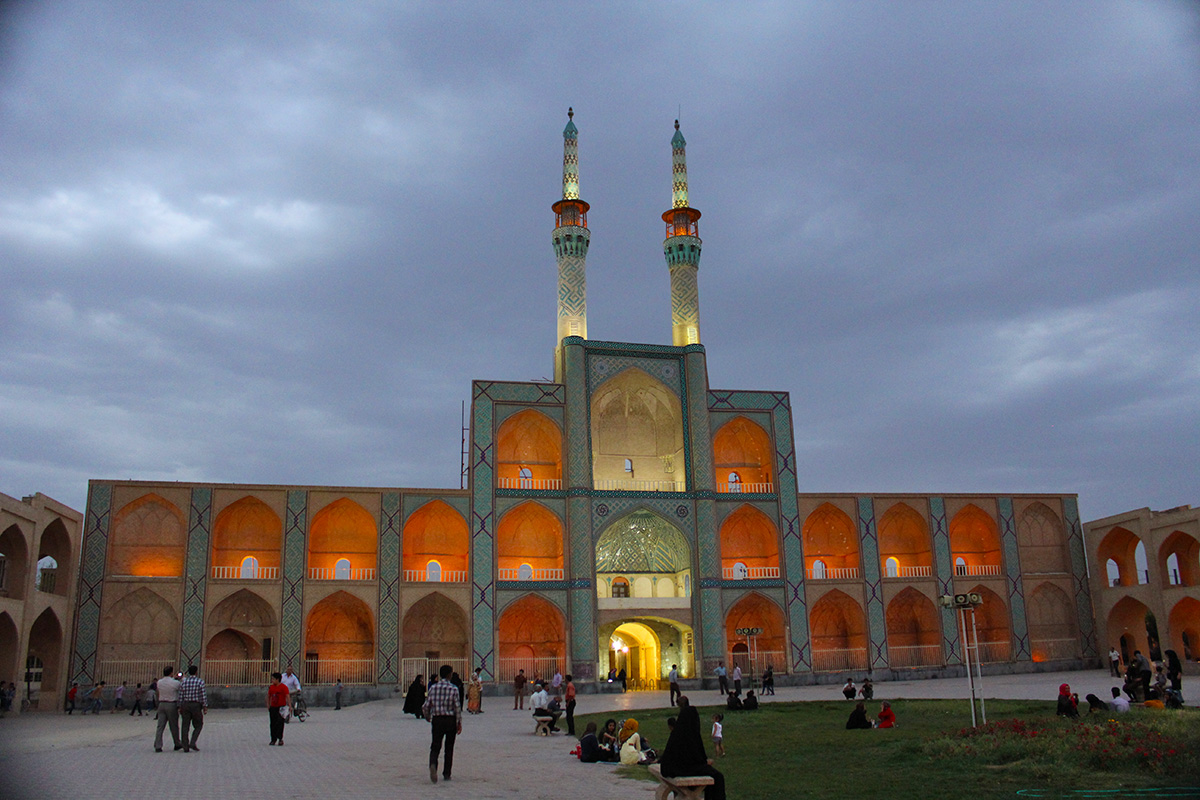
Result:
[[193, 705], [443, 707]]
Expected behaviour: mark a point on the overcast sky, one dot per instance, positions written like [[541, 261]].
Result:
[[275, 243]]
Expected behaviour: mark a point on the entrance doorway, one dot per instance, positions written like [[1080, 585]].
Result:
[[634, 647]]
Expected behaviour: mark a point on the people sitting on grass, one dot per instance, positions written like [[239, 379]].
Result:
[[858, 718], [887, 717], [632, 744], [590, 751], [733, 701], [751, 701], [848, 690], [1158, 689], [1118, 703], [609, 738], [684, 754], [1096, 704], [1133, 683], [1068, 706]]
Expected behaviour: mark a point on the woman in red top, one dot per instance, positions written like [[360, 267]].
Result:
[[277, 699], [887, 717]]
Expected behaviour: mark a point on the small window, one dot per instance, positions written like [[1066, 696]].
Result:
[[818, 570], [525, 572], [266, 648], [687, 586], [250, 568], [629, 465], [34, 667], [960, 566], [735, 482], [341, 570], [1114, 573], [1173, 569], [525, 475], [46, 574], [433, 572], [892, 568], [740, 571], [620, 587]]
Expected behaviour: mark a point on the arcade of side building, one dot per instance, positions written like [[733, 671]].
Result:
[[623, 517]]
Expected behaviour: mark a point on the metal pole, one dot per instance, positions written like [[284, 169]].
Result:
[[978, 667], [962, 616]]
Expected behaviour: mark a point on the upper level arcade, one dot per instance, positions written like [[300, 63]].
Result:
[[637, 434]]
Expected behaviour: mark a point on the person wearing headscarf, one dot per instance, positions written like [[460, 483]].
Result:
[[1174, 670], [1067, 706], [858, 717], [415, 699], [631, 742], [590, 750], [684, 753], [887, 717]]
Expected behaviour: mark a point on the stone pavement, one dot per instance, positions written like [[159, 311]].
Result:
[[374, 751]]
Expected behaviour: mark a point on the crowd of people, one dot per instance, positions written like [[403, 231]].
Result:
[[1152, 685]]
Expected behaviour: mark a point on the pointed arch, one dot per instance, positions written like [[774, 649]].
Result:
[[1127, 625], [1120, 545], [247, 528], [1043, 541], [229, 644], [743, 448], [914, 630], [435, 624], [148, 539], [532, 441], [975, 539], [14, 562], [529, 540], [531, 633], [435, 532], [749, 537], [55, 545], [830, 537], [904, 536], [636, 418], [342, 529], [993, 627], [1184, 569], [246, 611], [340, 628], [140, 625], [757, 611], [1184, 622], [1053, 629], [838, 630], [9, 642], [45, 643]]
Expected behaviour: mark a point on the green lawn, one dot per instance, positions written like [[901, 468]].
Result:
[[803, 750]]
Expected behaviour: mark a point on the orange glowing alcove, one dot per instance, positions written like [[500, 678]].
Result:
[[528, 448], [1120, 545], [830, 538], [756, 611], [340, 628], [342, 530], [904, 537], [975, 539], [529, 544], [435, 534], [742, 448], [149, 539], [247, 529], [749, 545], [531, 635]]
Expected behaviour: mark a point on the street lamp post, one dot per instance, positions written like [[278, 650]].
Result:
[[965, 604]]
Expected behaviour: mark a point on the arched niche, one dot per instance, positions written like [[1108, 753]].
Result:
[[749, 538], [1120, 546], [1043, 541], [838, 629], [54, 559], [435, 534], [45, 643], [229, 644], [140, 625], [742, 448], [1184, 622], [756, 611], [435, 627], [914, 630], [340, 628], [531, 635], [9, 642], [530, 536], [975, 539], [14, 562], [343, 530], [642, 548], [1127, 626], [637, 434], [1053, 629], [1184, 568], [248, 528], [993, 626], [830, 537], [532, 441], [249, 616], [148, 539], [904, 537]]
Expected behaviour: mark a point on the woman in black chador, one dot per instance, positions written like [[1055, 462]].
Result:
[[684, 753], [415, 698]]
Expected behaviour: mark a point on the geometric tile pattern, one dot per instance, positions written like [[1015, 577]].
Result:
[[584, 645], [945, 578], [1083, 594], [685, 294], [1012, 571], [387, 660], [706, 603], [603, 367], [701, 475], [199, 529], [91, 582], [872, 583], [291, 623], [572, 281]]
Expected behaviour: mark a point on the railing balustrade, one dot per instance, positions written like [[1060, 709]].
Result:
[[134, 670], [537, 484], [47, 579], [507, 574], [641, 486], [915, 572], [348, 670], [839, 660], [334, 574], [254, 574], [410, 668], [435, 576], [1054, 649], [834, 574], [966, 570], [991, 652], [752, 573], [238, 672], [746, 488], [922, 655], [542, 667]]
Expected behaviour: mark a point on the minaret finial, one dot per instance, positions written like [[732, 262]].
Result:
[[570, 158], [676, 124], [570, 113]]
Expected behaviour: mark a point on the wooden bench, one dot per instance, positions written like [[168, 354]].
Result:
[[682, 787], [541, 725]]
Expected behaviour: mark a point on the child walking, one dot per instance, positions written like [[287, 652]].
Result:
[[718, 747]]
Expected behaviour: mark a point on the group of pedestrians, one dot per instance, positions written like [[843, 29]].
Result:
[[1145, 681]]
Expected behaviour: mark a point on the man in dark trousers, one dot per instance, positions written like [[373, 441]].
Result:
[[443, 708]]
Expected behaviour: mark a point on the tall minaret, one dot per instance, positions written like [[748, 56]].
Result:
[[682, 248], [571, 239]]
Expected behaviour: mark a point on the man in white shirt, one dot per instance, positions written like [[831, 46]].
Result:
[[540, 702], [168, 710], [673, 679], [737, 679], [293, 684], [1119, 703], [1114, 662], [556, 682]]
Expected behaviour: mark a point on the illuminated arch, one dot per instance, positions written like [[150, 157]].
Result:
[[247, 618], [342, 529], [245, 529], [636, 418], [530, 632], [1042, 540], [435, 533], [1120, 546], [1053, 631], [340, 628], [837, 623], [530, 536], [530, 441], [975, 539], [1184, 622], [1185, 569], [914, 631], [744, 448], [435, 624], [149, 539], [904, 536], [1127, 626], [749, 537], [756, 611], [830, 537]]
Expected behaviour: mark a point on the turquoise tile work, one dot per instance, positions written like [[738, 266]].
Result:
[[1012, 571], [1079, 576], [387, 660], [872, 582], [91, 582], [944, 569], [295, 534], [584, 645], [191, 644]]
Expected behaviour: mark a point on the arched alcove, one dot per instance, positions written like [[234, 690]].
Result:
[[904, 538], [141, 625], [339, 640], [435, 625], [435, 532], [743, 449], [637, 434], [342, 530], [230, 645], [529, 536], [1184, 621], [750, 539], [1043, 541], [1184, 569], [148, 539], [1120, 546], [9, 641], [14, 562], [1127, 626], [642, 548], [529, 452], [830, 537], [914, 631], [54, 559], [993, 626], [45, 643], [768, 647], [838, 631], [531, 635], [247, 627], [1053, 629], [975, 539], [245, 529]]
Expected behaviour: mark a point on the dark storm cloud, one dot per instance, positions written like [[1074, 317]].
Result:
[[264, 243]]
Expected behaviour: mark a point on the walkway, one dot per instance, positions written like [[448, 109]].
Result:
[[371, 750]]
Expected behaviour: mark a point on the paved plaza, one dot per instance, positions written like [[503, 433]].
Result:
[[374, 751]]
